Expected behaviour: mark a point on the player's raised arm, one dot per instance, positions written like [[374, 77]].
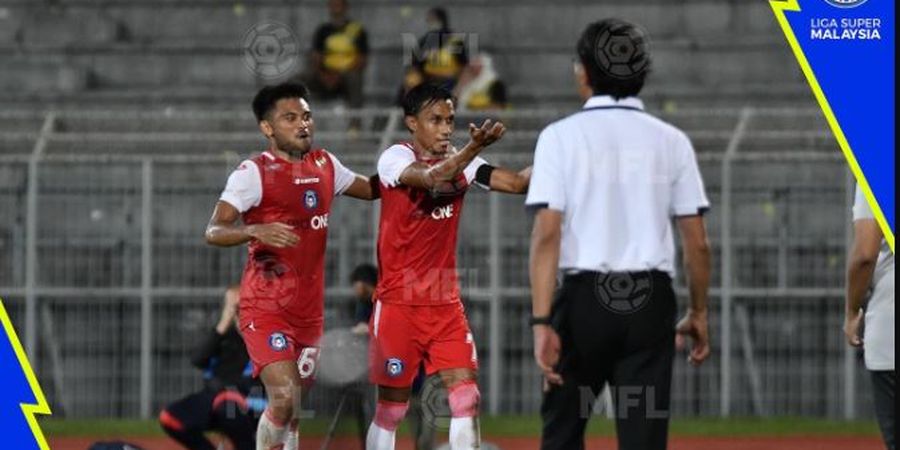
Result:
[[423, 176]]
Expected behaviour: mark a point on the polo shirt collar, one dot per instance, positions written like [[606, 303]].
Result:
[[606, 101]]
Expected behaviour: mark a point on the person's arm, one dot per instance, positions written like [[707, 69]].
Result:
[[697, 264], [364, 188], [423, 176], [508, 181], [860, 268], [348, 182], [209, 343], [362, 44], [318, 48], [224, 230], [545, 241]]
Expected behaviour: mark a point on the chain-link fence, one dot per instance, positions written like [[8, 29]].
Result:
[[107, 278]]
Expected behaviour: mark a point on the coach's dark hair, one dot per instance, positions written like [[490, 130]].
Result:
[[423, 95], [601, 79], [266, 98], [365, 273]]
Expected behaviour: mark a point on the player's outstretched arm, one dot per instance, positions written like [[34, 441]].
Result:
[[507, 181], [224, 230], [364, 188], [420, 175]]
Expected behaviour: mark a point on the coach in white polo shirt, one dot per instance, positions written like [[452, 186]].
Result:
[[608, 181], [871, 265]]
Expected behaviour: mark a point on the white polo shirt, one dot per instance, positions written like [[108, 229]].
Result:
[[618, 175], [878, 334]]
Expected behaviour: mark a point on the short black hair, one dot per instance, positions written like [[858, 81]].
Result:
[[616, 56], [365, 273], [441, 15], [423, 95], [267, 97]]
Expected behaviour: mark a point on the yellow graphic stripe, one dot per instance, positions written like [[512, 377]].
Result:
[[28, 409], [779, 7]]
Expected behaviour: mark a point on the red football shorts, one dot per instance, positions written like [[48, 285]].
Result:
[[270, 340], [403, 336]]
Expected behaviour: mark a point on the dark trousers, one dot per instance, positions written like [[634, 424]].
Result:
[[187, 419], [614, 328], [883, 382]]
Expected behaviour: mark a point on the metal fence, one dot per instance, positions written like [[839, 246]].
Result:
[[105, 273]]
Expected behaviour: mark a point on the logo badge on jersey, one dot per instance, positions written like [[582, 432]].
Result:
[[310, 199], [278, 341], [320, 161], [393, 367]]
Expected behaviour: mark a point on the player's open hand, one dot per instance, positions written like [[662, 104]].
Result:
[[851, 329], [695, 326], [276, 234], [546, 352], [487, 133]]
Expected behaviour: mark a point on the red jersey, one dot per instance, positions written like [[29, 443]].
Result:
[[417, 233], [287, 282]]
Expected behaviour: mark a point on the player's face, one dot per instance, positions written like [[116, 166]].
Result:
[[291, 125], [433, 126]]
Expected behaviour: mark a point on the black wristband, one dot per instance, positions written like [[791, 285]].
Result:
[[483, 174], [544, 320]]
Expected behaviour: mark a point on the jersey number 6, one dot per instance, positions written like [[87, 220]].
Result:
[[306, 364]]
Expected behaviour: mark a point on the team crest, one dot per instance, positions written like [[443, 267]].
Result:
[[310, 199], [393, 367], [278, 341], [320, 161]]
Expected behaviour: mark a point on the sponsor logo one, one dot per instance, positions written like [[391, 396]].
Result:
[[310, 199], [845, 3], [442, 212], [319, 222], [278, 341], [393, 367]]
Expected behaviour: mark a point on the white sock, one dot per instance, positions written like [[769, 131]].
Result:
[[268, 435], [379, 439], [464, 433], [292, 439]]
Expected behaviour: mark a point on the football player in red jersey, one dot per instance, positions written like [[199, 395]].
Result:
[[418, 316], [282, 198]]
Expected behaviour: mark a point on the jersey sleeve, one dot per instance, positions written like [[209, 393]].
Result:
[[244, 187], [392, 163], [861, 208], [688, 193], [343, 177], [547, 187], [472, 169]]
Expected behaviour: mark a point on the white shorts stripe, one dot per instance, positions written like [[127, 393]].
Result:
[[377, 317]]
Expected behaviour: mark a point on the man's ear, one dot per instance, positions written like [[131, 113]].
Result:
[[411, 123], [266, 128], [582, 82]]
